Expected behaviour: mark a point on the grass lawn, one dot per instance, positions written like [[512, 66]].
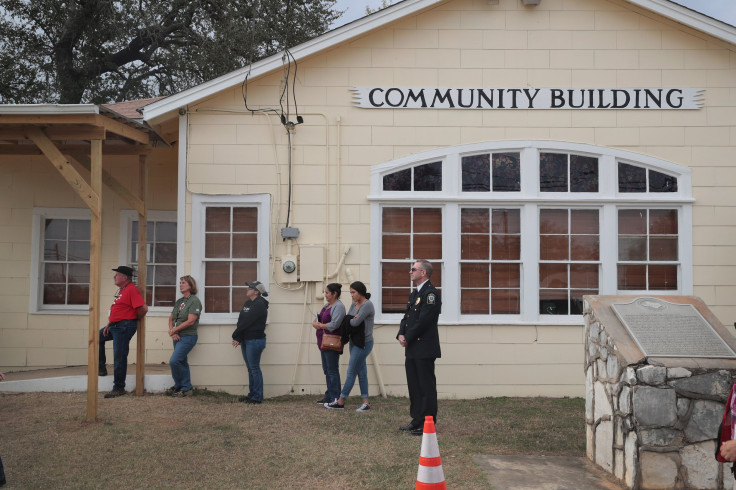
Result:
[[212, 441]]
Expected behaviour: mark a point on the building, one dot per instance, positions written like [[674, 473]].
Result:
[[539, 152]]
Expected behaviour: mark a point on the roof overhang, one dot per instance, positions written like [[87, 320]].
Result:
[[73, 125], [166, 108]]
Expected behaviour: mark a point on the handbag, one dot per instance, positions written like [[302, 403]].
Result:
[[331, 341]]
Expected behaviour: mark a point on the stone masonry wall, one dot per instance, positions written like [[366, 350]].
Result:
[[649, 425]]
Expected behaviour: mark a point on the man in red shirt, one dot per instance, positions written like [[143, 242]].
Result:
[[125, 312]]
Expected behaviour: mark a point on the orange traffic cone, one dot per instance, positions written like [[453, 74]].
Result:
[[430, 474]]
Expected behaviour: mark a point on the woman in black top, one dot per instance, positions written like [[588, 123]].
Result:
[[250, 335]]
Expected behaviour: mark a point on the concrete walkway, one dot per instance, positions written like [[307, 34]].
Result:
[[544, 473], [157, 379]]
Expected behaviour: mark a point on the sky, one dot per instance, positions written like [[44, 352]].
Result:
[[724, 10]]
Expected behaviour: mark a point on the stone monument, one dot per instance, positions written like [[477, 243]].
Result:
[[658, 370]]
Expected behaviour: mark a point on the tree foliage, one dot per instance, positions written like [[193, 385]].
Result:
[[96, 51]]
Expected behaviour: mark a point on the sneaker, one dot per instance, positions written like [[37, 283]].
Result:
[[182, 393], [364, 407], [334, 406], [102, 371], [251, 401], [324, 400], [115, 393], [172, 390]]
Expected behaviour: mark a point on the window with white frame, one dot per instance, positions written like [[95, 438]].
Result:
[[60, 261], [521, 231], [161, 247], [230, 240]]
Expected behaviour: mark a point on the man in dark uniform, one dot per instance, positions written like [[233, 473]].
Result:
[[419, 337]]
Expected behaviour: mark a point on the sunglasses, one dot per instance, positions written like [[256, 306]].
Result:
[[414, 269]]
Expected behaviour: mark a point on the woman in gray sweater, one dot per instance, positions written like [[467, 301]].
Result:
[[363, 312]]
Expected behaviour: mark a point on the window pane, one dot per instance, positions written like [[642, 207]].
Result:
[[474, 275], [165, 252], [54, 250], [505, 302], [78, 294], [245, 219], [54, 294], [632, 221], [505, 276], [576, 299], [239, 298], [217, 219], [398, 181], [396, 247], [663, 221], [659, 182], [437, 276], [583, 174], [584, 247], [553, 275], [78, 251], [662, 248], [78, 273], [506, 221], [393, 300], [396, 274], [217, 245], [506, 247], [79, 229], [632, 277], [165, 231], [554, 247], [632, 248], [552, 172], [245, 245], [217, 274], [553, 302], [427, 220], [584, 276], [397, 220], [165, 275], [584, 221], [473, 247], [553, 221], [663, 277], [54, 273], [428, 177], [163, 296], [476, 173], [217, 300], [631, 178], [428, 247], [474, 301], [55, 229], [506, 172], [474, 220], [244, 272]]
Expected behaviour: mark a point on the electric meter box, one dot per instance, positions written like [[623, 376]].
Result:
[[311, 263]]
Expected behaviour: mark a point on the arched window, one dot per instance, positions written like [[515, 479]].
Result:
[[520, 231]]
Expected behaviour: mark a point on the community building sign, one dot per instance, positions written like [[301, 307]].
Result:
[[528, 98]]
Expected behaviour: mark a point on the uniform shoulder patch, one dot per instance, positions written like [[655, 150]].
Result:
[[431, 299]]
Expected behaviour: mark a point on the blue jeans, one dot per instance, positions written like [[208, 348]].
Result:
[[357, 367], [120, 334], [252, 350], [179, 364], [331, 368]]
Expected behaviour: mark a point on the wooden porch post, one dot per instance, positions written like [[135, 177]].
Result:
[[142, 270], [95, 256]]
